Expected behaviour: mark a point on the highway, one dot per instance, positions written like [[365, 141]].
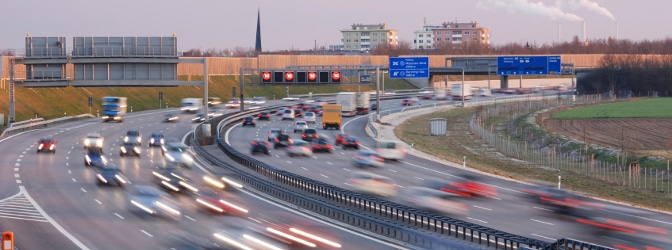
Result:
[[51, 201], [508, 212]]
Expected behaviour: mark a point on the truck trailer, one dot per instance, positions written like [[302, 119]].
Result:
[[191, 105], [363, 103], [331, 116], [348, 102], [458, 93]]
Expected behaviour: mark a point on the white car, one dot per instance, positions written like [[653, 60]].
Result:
[[300, 126], [177, 153], [373, 184], [259, 100], [291, 98], [93, 140], [299, 148], [310, 117], [434, 200], [233, 103], [288, 114]]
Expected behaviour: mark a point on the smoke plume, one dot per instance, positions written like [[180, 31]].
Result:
[[532, 8], [585, 4]]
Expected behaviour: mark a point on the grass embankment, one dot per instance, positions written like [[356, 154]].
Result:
[[51, 103], [480, 155], [648, 108]]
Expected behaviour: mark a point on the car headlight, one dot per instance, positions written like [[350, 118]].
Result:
[[187, 158], [87, 142], [120, 178], [125, 138], [101, 178], [87, 158], [40, 146], [161, 140], [151, 141], [170, 157], [102, 158], [52, 147], [123, 150], [136, 150], [99, 143], [139, 139]]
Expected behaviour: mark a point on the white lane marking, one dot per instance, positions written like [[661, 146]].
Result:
[[324, 176], [24, 152], [120, 217], [541, 236], [543, 209], [192, 219], [477, 220], [18, 181], [52, 221], [346, 169], [304, 168], [277, 156], [289, 162], [146, 233], [69, 172], [97, 201], [485, 208], [16, 176], [330, 163], [18, 160], [419, 178], [392, 170], [314, 157], [547, 223], [21, 155], [73, 180], [17, 164], [16, 169], [83, 190]]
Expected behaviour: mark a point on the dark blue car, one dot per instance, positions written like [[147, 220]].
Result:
[[109, 176], [156, 139], [95, 157]]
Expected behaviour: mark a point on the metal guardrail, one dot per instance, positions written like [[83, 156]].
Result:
[[14, 129], [418, 228]]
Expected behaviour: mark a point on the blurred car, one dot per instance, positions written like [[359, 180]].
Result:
[[94, 157], [298, 112], [374, 106], [133, 136], [173, 180], [273, 132], [322, 144], [391, 149], [110, 176], [350, 142], [200, 117], [427, 95], [407, 102], [248, 101], [340, 138], [288, 114], [299, 148], [373, 184], [156, 139], [560, 201], [282, 140], [465, 186], [214, 112], [143, 199], [221, 182], [264, 116], [239, 233], [259, 100], [310, 117], [221, 202], [170, 117], [177, 153], [233, 103], [291, 98], [93, 140], [434, 200], [249, 121], [129, 148], [259, 146], [300, 126], [309, 134], [367, 158], [295, 231], [47, 144]]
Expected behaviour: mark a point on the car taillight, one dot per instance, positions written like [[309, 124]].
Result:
[[303, 135], [315, 136], [316, 146], [377, 158], [255, 143], [359, 157], [276, 140], [356, 142]]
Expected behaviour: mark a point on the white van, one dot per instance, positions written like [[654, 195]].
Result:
[[484, 92], [391, 150], [288, 114]]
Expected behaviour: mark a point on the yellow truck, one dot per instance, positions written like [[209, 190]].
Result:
[[331, 116]]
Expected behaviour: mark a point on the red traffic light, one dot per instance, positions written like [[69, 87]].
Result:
[[266, 76], [289, 76], [312, 76], [336, 76]]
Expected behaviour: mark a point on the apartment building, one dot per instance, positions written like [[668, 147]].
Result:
[[366, 37], [424, 39], [458, 33]]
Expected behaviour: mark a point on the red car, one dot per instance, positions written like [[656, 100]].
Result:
[[463, 186], [47, 144], [340, 138], [322, 145], [264, 116]]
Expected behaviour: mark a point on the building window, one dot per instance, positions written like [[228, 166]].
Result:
[[438, 33], [357, 34], [347, 34], [457, 32], [429, 35], [474, 39], [421, 35], [375, 34], [429, 41], [375, 40], [420, 41], [356, 40], [347, 46], [438, 39], [447, 33], [466, 32], [356, 46]]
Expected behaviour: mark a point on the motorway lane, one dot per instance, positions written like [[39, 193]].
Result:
[[97, 216], [496, 212]]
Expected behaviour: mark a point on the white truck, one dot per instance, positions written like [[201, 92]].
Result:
[[363, 103], [191, 105], [458, 93], [348, 102]]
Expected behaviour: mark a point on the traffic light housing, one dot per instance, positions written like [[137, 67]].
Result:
[[336, 76], [312, 76], [289, 76], [278, 76]]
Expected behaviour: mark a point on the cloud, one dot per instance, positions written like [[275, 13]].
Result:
[[585, 4], [529, 7]]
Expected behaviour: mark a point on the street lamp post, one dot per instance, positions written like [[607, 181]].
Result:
[[463, 87]]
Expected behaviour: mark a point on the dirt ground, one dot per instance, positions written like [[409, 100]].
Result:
[[646, 136]]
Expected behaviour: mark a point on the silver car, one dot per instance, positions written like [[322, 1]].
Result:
[[300, 148], [299, 126], [373, 184], [435, 200], [367, 158], [177, 153], [310, 117], [148, 200]]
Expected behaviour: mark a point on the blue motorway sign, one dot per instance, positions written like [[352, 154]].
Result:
[[409, 67], [528, 65]]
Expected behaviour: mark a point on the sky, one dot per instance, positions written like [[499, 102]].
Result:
[[303, 24]]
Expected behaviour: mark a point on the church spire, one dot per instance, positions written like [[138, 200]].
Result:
[[257, 45]]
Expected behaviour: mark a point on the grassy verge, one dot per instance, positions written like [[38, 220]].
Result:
[[49, 103], [480, 155], [648, 108]]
